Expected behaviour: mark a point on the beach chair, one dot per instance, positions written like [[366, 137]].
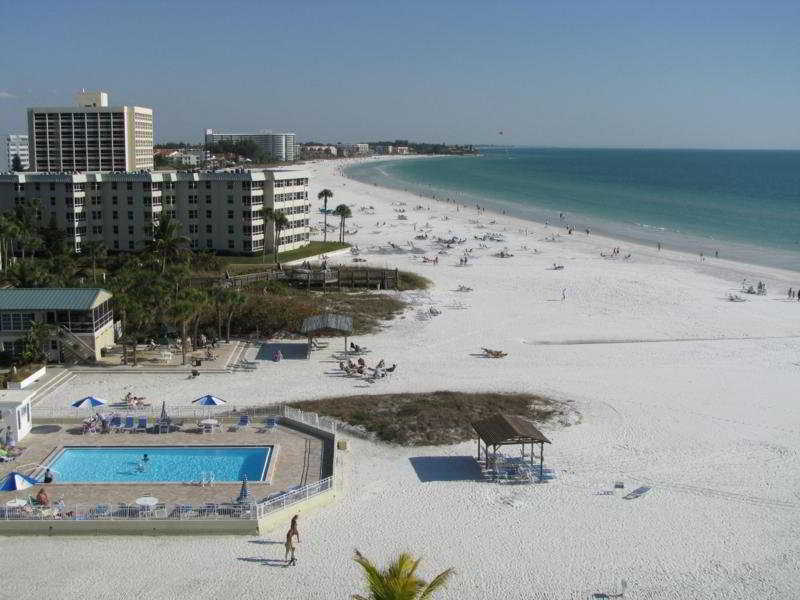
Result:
[[268, 425], [244, 421], [208, 509], [129, 424], [637, 493], [164, 426], [142, 425], [182, 511], [116, 423], [101, 511]]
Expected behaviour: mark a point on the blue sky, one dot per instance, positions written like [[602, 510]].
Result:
[[644, 74]]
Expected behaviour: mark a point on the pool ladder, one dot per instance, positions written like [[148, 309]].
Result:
[[207, 479]]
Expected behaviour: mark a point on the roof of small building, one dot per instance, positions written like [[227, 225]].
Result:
[[52, 298], [327, 321], [502, 429]]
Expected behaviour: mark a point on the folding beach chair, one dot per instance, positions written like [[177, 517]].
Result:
[[244, 421], [116, 423], [129, 426], [142, 426]]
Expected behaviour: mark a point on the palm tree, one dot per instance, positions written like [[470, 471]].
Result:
[[26, 273], [325, 195], [233, 303], [182, 312], [399, 580], [167, 241], [94, 249], [279, 223], [344, 212]]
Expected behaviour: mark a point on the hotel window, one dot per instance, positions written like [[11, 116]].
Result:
[[130, 187], [195, 243], [130, 245], [130, 200], [193, 185], [231, 244], [230, 214], [208, 199], [130, 215], [192, 199], [115, 214], [147, 214], [116, 228], [114, 186], [208, 214], [52, 187], [114, 200], [130, 229], [230, 187], [208, 187], [116, 244], [52, 200], [230, 228], [230, 199], [208, 229], [193, 214], [16, 321], [209, 244]]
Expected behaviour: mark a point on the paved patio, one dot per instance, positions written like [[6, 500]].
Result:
[[299, 459]]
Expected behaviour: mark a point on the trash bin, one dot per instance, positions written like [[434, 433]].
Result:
[[103, 352], [198, 362]]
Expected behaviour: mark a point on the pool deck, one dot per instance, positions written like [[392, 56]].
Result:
[[298, 459]]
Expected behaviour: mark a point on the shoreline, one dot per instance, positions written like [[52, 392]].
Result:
[[685, 245]]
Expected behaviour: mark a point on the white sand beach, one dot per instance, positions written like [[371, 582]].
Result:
[[677, 388]]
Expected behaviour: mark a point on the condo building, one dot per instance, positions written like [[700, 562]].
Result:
[[281, 146], [17, 145], [90, 136], [217, 210]]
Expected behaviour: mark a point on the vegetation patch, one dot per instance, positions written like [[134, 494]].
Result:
[[234, 263], [430, 418]]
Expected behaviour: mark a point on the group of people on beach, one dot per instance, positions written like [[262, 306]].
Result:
[[794, 294]]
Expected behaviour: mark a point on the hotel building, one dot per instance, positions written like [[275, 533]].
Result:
[[281, 146], [17, 145], [218, 210], [90, 136]]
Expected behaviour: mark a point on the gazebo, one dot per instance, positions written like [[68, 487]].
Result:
[[317, 323], [504, 430]]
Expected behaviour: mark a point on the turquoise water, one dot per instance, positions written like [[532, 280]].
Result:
[[166, 463], [746, 204]]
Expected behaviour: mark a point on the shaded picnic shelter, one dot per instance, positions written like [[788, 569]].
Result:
[[505, 430], [313, 326]]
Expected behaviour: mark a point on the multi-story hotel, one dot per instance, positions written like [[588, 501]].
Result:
[[218, 210], [17, 145], [280, 146], [91, 136]]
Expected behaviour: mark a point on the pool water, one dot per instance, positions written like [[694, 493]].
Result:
[[164, 464]]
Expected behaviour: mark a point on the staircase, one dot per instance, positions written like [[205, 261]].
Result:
[[73, 346]]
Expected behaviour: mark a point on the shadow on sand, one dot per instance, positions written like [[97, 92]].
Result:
[[446, 468], [290, 351], [264, 562]]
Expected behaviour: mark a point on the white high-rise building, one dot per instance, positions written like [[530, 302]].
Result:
[[217, 210], [90, 136], [17, 145], [281, 146]]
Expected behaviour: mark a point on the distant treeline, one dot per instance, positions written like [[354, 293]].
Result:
[[428, 148], [247, 148]]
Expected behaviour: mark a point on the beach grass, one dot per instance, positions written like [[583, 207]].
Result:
[[433, 418]]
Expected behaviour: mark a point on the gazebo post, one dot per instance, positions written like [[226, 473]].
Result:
[[479, 449], [541, 460]]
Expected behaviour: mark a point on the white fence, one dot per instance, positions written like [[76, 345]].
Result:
[[189, 413], [127, 512]]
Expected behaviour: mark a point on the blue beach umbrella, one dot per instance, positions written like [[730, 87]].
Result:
[[208, 400], [17, 481], [89, 401], [244, 493]]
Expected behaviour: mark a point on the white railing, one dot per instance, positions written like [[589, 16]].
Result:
[[293, 497], [164, 512], [222, 413]]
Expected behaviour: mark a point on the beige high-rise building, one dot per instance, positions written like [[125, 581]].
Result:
[[217, 210], [90, 136]]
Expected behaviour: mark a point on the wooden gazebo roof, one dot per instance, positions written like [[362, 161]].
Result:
[[327, 321], [508, 429]]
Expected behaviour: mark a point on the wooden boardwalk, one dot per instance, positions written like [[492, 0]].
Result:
[[384, 279]]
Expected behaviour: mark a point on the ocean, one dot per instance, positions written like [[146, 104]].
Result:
[[744, 204]]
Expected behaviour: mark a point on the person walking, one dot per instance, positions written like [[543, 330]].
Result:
[[289, 556], [563, 294]]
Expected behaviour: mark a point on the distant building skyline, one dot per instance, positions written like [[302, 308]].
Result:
[[17, 145]]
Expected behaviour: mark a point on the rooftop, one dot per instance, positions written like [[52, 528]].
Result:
[[52, 298]]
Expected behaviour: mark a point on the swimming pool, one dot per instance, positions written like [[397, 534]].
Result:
[[125, 464]]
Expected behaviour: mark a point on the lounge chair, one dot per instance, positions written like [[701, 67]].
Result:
[[268, 425], [115, 424], [129, 425], [208, 509], [164, 426], [100, 511], [142, 425], [244, 421], [182, 511]]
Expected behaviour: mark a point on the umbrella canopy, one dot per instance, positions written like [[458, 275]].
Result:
[[17, 481], [89, 402], [209, 400], [244, 493]]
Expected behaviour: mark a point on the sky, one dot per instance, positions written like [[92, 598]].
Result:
[[699, 74]]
